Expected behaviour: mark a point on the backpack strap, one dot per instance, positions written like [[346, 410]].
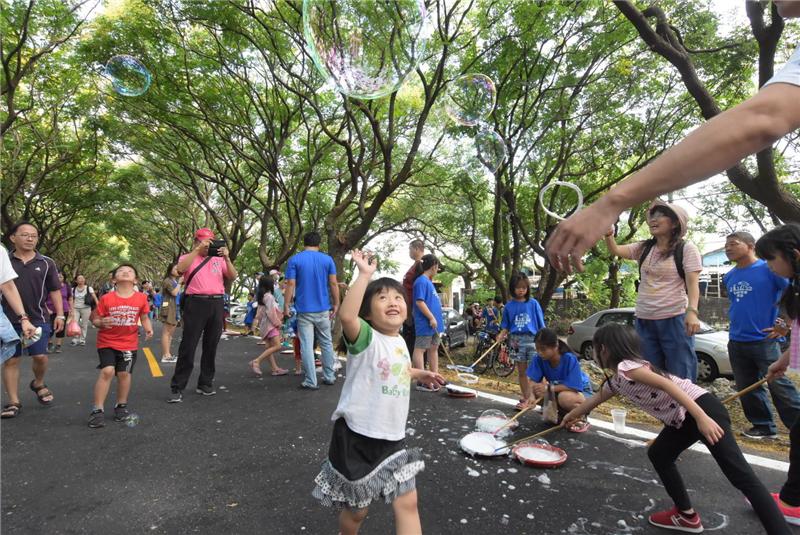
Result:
[[677, 256], [648, 246]]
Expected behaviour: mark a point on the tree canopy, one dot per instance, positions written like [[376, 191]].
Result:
[[239, 130]]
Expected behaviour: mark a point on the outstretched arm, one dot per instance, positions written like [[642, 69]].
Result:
[[348, 312], [715, 146]]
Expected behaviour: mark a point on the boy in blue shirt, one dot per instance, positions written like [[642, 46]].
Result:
[[753, 291]]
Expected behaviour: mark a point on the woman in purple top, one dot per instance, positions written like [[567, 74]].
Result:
[[66, 299]]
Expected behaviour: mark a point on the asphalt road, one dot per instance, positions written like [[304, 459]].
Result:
[[244, 462]]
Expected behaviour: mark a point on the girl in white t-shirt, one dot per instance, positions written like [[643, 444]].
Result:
[[368, 458], [689, 414]]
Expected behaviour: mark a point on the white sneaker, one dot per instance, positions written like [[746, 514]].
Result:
[[169, 359], [73, 343]]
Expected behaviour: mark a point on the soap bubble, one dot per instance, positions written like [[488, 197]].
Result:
[[132, 420], [491, 420], [470, 98], [366, 47], [128, 76], [491, 149]]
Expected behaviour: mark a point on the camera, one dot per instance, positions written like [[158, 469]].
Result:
[[213, 249]]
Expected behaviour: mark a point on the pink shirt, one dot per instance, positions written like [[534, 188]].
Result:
[[210, 279], [794, 345], [653, 401], [662, 291]]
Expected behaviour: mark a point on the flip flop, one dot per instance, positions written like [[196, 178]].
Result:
[[581, 426], [279, 371], [522, 405]]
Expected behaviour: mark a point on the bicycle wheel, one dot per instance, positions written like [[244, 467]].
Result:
[[502, 363], [481, 367]]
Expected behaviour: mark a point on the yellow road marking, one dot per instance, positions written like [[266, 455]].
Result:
[[155, 369]]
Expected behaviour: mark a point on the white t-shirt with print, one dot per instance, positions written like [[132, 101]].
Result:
[[375, 395], [789, 73], [7, 272]]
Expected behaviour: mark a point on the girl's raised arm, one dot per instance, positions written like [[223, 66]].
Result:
[[348, 312]]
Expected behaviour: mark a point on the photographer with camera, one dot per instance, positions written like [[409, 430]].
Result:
[[205, 270]]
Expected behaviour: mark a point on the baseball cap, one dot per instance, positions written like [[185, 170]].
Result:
[[274, 272], [204, 234]]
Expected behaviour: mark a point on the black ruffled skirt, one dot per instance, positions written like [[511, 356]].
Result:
[[360, 469]]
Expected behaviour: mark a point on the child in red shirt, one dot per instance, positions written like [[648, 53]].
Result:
[[117, 315]]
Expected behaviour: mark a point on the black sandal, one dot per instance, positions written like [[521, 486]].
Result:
[[11, 410], [38, 389]]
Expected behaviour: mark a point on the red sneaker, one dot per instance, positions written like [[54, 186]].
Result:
[[674, 519], [791, 514]]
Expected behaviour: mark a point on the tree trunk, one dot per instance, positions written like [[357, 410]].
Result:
[[614, 284], [763, 186]]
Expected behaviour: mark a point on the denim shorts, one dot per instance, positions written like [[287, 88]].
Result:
[[426, 342], [523, 347]]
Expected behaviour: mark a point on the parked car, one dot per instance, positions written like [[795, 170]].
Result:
[[238, 312], [455, 328], [710, 345]]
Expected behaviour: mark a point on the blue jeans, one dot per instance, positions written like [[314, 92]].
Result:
[[665, 344], [750, 361], [310, 324]]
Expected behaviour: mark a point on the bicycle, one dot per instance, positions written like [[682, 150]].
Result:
[[499, 360]]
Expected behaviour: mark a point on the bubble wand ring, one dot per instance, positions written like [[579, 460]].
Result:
[[569, 185], [464, 373]]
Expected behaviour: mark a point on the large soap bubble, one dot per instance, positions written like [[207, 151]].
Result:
[[491, 149], [493, 420], [470, 98], [128, 76], [366, 47]]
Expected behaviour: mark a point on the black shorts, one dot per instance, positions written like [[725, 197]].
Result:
[[122, 361]]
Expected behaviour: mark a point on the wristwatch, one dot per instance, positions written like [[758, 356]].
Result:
[[62, 318]]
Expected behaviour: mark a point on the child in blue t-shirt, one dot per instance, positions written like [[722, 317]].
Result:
[[558, 366], [250, 316], [522, 319]]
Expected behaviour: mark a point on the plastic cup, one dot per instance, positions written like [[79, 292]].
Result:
[[618, 415]]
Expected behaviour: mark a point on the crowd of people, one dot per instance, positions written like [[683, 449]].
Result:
[[389, 320], [392, 331]]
